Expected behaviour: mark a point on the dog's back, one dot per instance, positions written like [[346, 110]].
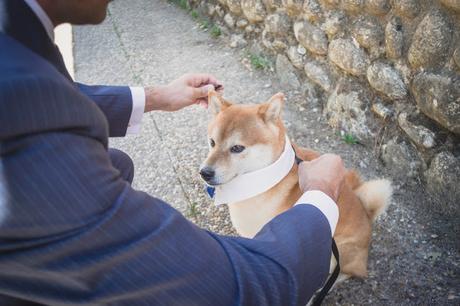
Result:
[[360, 203]]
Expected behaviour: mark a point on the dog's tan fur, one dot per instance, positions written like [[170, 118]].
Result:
[[359, 203]]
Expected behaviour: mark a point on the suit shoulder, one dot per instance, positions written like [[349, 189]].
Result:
[[24, 74], [18, 62]]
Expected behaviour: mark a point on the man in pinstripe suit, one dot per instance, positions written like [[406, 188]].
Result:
[[74, 232]]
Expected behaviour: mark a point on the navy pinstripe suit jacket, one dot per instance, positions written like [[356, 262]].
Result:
[[73, 232]]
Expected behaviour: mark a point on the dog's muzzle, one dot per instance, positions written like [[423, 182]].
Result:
[[207, 173]]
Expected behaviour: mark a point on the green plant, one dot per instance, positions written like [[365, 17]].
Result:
[[194, 14], [215, 31], [192, 210], [204, 24], [183, 4], [350, 139], [258, 61]]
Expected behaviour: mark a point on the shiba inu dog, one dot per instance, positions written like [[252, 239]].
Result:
[[244, 139]]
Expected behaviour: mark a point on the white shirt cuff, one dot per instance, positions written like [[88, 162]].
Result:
[[138, 96], [324, 203]]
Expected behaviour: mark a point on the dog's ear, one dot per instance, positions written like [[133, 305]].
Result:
[[216, 103], [271, 110]]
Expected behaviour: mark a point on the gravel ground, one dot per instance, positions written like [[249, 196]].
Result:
[[414, 257]]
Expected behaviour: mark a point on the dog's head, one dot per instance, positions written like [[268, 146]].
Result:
[[242, 138]]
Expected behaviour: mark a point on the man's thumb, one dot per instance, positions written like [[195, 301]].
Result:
[[202, 91]]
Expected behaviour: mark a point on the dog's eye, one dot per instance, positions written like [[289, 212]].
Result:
[[237, 149], [212, 143]]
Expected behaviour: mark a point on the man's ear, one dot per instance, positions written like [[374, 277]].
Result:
[[216, 103], [271, 110]]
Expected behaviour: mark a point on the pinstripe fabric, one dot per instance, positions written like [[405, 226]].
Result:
[[73, 232], [115, 102], [19, 22], [123, 163]]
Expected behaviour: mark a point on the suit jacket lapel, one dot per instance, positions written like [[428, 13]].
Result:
[[18, 21]]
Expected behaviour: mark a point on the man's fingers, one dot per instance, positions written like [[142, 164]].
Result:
[[219, 88], [200, 79], [202, 92], [202, 102]]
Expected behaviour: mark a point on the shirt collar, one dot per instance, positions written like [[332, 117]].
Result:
[[254, 183], [42, 16]]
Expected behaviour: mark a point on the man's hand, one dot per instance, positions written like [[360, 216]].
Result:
[[187, 90], [326, 173]]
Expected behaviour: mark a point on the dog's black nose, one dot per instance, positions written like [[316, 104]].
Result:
[[207, 173]]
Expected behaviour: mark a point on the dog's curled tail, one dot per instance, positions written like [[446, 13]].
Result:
[[375, 196]]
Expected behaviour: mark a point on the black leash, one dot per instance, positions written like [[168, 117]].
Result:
[[333, 277], [331, 280]]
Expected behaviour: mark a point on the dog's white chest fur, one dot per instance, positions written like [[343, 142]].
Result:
[[249, 216]]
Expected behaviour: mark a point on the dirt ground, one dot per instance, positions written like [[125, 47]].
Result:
[[414, 257]]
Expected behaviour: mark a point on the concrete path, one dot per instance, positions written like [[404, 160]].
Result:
[[63, 38], [413, 259]]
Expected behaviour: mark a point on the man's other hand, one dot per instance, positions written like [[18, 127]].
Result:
[[187, 90], [326, 173]]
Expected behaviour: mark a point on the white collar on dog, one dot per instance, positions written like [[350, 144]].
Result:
[[253, 183]]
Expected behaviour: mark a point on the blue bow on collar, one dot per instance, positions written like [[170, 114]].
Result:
[[210, 191]]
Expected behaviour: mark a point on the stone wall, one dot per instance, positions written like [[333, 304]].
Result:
[[385, 71]]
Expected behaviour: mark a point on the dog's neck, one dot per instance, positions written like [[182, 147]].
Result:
[[248, 216]]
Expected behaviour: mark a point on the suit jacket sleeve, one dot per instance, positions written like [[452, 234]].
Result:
[[115, 102], [73, 232]]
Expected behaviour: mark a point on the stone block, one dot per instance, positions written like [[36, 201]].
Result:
[[237, 41], [456, 56], [229, 20], [334, 23], [401, 158], [311, 37], [407, 8], [353, 6], [394, 38], [452, 4], [443, 181], [278, 23], [295, 57], [385, 79], [272, 5], [347, 56], [293, 7], [329, 3], [438, 97], [286, 73], [368, 33], [348, 109], [254, 10], [378, 7], [312, 10], [431, 41], [420, 135], [242, 23], [381, 110], [235, 7], [319, 74]]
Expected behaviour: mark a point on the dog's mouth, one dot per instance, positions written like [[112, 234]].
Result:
[[214, 182]]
